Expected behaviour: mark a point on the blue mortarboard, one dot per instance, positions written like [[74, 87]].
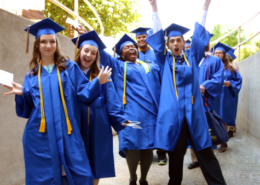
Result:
[[231, 53], [141, 31], [188, 43], [123, 41], [44, 27], [176, 30], [90, 38], [211, 35], [222, 47]]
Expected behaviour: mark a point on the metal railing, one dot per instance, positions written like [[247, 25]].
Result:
[[76, 15], [239, 36]]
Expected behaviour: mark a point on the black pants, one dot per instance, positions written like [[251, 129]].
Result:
[[206, 158]]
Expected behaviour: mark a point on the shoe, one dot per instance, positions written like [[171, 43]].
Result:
[[230, 133], [162, 159], [132, 183], [193, 165], [143, 183]]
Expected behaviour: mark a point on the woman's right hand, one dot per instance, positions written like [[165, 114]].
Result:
[[103, 76], [16, 89]]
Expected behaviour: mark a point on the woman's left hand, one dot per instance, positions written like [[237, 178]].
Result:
[[227, 84]]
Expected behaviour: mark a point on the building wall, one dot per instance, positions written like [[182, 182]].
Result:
[[248, 115], [13, 59]]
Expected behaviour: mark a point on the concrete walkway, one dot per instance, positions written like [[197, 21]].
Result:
[[240, 165]]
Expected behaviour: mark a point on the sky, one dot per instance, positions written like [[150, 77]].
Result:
[[187, 12]]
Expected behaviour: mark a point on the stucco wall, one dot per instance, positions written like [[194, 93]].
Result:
[[13, 59], [248, 115]]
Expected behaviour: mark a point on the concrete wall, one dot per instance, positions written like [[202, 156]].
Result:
[[13, 59], [248, 115]]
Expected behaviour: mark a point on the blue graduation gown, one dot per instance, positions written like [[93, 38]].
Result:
[[142, 96], [172, 112], [45, 153], [229, 97], [97, 135], [214, 85], [148, 56]]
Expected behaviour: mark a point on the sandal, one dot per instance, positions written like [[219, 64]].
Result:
[[223, 148]]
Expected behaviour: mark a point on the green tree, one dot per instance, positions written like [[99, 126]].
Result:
[[116, 15]]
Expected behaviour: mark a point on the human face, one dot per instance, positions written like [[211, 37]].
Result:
[[141, 41], [186, 47], [176, 44], [219, 53], [47, 45], [129, 52], [88, 56]]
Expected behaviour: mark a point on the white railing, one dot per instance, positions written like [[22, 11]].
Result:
[[239, 36]]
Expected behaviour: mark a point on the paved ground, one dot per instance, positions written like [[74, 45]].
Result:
[[240, 165]]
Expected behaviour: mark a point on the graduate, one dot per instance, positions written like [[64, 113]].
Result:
[[181, 115], [231, 57], [230, 90], [97, 122], [187, 45], [137, 84], [211, 78], [146, 54], [50, 98]]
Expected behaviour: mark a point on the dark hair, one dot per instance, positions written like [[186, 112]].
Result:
[[95, 67], [59, 59], [121, 52], [226, 63]]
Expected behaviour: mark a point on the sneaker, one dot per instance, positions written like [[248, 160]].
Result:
[[132, 183], [193, 165], [162, 159]]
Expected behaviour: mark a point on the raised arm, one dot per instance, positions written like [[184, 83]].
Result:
[[157, 26], [201, 36]]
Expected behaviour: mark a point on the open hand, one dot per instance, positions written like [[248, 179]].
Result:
[[103, 76], [16, 89], [81, 29], [227, 84], [202, 89]]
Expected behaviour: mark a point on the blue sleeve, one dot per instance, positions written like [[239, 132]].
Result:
[[214, 85], [200, 40], [24, 103], [236, 83], [157, 42], [87, 91], [114, 108]]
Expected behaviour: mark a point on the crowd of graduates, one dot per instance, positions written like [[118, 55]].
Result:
[[159, 81]]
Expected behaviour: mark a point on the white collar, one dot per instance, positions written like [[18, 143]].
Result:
[[86, 71]]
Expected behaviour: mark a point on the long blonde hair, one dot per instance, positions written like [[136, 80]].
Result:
[[95, 67], [59, 58]]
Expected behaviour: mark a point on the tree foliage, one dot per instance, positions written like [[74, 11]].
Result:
[[116, 15], [248, 49]]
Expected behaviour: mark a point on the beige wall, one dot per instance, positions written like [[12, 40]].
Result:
[[13, 59], [248, 112]]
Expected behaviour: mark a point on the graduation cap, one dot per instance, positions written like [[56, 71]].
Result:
[[231, 53], [141, 31], [90, 38], [222, 47], [44, 27], [174, 30], [123, 41], [188, 43]]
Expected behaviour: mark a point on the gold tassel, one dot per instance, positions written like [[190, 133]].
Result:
[[165, 42], [27, 40], [90, 79], [124, 99], [192, 100], [42, 126], [68, 125], [76, 48]]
